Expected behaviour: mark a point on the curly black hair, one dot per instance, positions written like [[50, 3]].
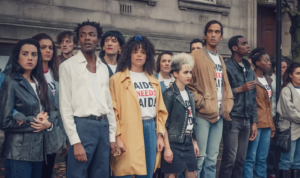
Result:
[[133, 44], [93, 24]]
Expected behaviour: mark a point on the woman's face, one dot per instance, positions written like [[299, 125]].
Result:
[[165, 63], [296, 77], [184, 75], [138, 57], [264, 63], [46, 49], [28, 57]]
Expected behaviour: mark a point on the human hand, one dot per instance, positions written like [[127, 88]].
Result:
[[40, 124], [160, 143], [79, 152], [168, 155], [121, 144], [253, 132]]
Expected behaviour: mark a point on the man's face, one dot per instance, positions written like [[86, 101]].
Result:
[[196, 46], [67, 45], [213, 35], [111, 46], [243, 47], [88, 39]]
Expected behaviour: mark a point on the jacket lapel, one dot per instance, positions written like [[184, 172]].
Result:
[[128, 84], [25, 84], [295, 93], [178, 95], [54, 98]]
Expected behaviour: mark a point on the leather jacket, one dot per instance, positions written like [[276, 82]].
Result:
[[245, 105], [178, 113], [21, 143]]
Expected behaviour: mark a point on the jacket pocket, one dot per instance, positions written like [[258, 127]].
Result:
[[210, 104]]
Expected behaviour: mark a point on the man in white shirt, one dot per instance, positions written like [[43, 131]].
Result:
[[111, 44], [86, 107]]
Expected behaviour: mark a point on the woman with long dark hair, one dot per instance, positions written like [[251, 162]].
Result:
[[57, 142], [289, 111], [139, 109], [258, 148], [26, 91]]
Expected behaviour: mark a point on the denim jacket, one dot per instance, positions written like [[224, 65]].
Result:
[[178, 113]]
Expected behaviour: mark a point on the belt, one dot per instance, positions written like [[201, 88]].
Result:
[[98, 118]]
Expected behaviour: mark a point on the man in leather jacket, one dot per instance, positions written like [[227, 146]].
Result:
[[244, 112]]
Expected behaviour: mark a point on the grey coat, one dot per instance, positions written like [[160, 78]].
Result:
[[55, 140], [289, 111]]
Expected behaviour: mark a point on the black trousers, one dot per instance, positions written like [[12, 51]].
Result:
[[48, 168], [235, 143]]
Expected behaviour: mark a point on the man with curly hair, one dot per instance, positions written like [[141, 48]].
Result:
[[86, 107], [67, 41]]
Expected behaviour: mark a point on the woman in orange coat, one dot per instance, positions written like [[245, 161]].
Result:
[[139, 109]]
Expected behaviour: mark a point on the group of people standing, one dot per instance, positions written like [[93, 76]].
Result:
[[111, 115]]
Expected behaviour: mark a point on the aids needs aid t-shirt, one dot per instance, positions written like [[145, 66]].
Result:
[[186, 100], [146, 94], [264, 82], [219, 79]]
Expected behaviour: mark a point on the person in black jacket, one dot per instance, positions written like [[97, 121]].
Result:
[[26, 91], [111, 44], [244, 112], [181, 148]]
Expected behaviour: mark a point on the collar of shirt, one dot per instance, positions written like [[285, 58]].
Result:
[[81, 58], [210, 52], [160, 78]]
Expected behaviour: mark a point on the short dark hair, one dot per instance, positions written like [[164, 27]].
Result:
[[93, 24], [65, 34], [159, 59], [112, 33], [256, 55], [210, 23], [53, 63], [196, 40], [133, 43], [233, 41]]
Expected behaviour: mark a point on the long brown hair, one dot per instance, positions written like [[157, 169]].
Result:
[[289, 71], [53, 63]]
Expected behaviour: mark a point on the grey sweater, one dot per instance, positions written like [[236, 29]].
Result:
[[289, 111]]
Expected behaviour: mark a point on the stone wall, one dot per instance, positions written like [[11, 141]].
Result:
[[170, 24]]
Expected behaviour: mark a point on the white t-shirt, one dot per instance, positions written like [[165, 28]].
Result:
[[219, 80], [50, 81], [113, 68], [167, 82], [264, 82], [33, 85], [186, 100], [93, 78], [146, 94]]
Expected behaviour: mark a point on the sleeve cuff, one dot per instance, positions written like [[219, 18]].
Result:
[[112, 138], [74, 139]]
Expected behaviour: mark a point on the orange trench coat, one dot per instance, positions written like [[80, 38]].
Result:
[[130, 126]]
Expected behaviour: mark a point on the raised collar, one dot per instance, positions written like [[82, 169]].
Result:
[[212, 53], [81, 59]]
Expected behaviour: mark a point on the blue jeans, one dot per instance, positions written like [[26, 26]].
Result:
[[208, 137], [150, 140], [291, 159], [23, 169], [94, 136], [257, 155]]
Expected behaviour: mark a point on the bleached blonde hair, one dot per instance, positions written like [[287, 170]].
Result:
[[181, 59]]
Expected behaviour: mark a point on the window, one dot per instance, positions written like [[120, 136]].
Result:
[[5, 50], [208, 1]]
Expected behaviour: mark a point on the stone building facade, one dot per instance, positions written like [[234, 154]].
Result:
[[170, 24]]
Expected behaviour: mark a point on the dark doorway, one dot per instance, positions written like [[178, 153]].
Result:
[[266, 29]]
